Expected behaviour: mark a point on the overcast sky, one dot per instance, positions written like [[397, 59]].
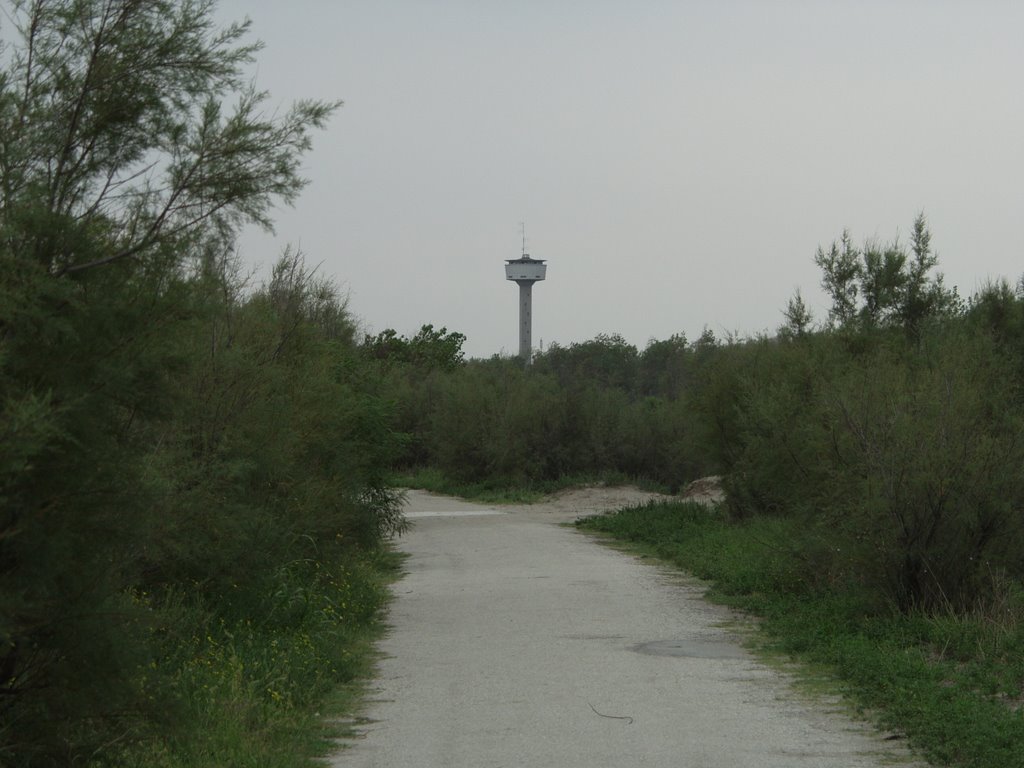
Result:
[[677, 163]]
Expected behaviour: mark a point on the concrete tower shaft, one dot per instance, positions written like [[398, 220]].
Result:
[[525, 319]]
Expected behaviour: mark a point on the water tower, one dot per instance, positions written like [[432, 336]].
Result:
[[526, 272]]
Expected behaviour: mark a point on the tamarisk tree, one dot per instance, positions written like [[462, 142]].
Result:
[[115, 129], [132, 148]]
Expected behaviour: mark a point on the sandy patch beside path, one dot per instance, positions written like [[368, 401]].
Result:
[[563, 506], [573, 503]]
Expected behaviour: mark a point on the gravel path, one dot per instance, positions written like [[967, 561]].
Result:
[[516, 642]]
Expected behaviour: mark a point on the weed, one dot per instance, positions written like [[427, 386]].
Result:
[[266, 691]]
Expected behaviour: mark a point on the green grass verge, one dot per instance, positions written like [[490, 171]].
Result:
[[953, 684], [273, 692], [508, 491]]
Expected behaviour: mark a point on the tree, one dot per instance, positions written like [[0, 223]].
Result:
[[923, 296], [117, 144], [883, 286], [883, 279], [430, 348], [798, 318], [841, 269], [124, 177], [607, 360], [663, 366]]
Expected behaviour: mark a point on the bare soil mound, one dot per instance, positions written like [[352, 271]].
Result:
[[572, 503], [707, 490]]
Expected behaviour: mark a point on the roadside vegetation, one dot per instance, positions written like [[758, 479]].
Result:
[[597, 411], [192, 495]]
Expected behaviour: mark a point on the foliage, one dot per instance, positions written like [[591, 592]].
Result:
[[183, 460], [250, 691], [429, 348], [593, 409], [799, 320], [607, 361], [664, 368], [882, 286], [898, 431], [117, 145], [925, 469]]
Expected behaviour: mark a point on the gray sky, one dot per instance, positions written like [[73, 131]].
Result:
[[677, 163]]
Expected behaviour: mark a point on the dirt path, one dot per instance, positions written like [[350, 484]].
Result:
[[517, 642]]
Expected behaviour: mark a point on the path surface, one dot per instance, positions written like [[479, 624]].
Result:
[[519, 643]]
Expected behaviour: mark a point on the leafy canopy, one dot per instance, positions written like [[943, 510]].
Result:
[[117, 139]]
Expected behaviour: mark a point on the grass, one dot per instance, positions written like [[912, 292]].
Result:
[[274, 692], [506, 490], [953, 684]]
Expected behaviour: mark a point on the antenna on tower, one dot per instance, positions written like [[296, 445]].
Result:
[[522, 230]]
